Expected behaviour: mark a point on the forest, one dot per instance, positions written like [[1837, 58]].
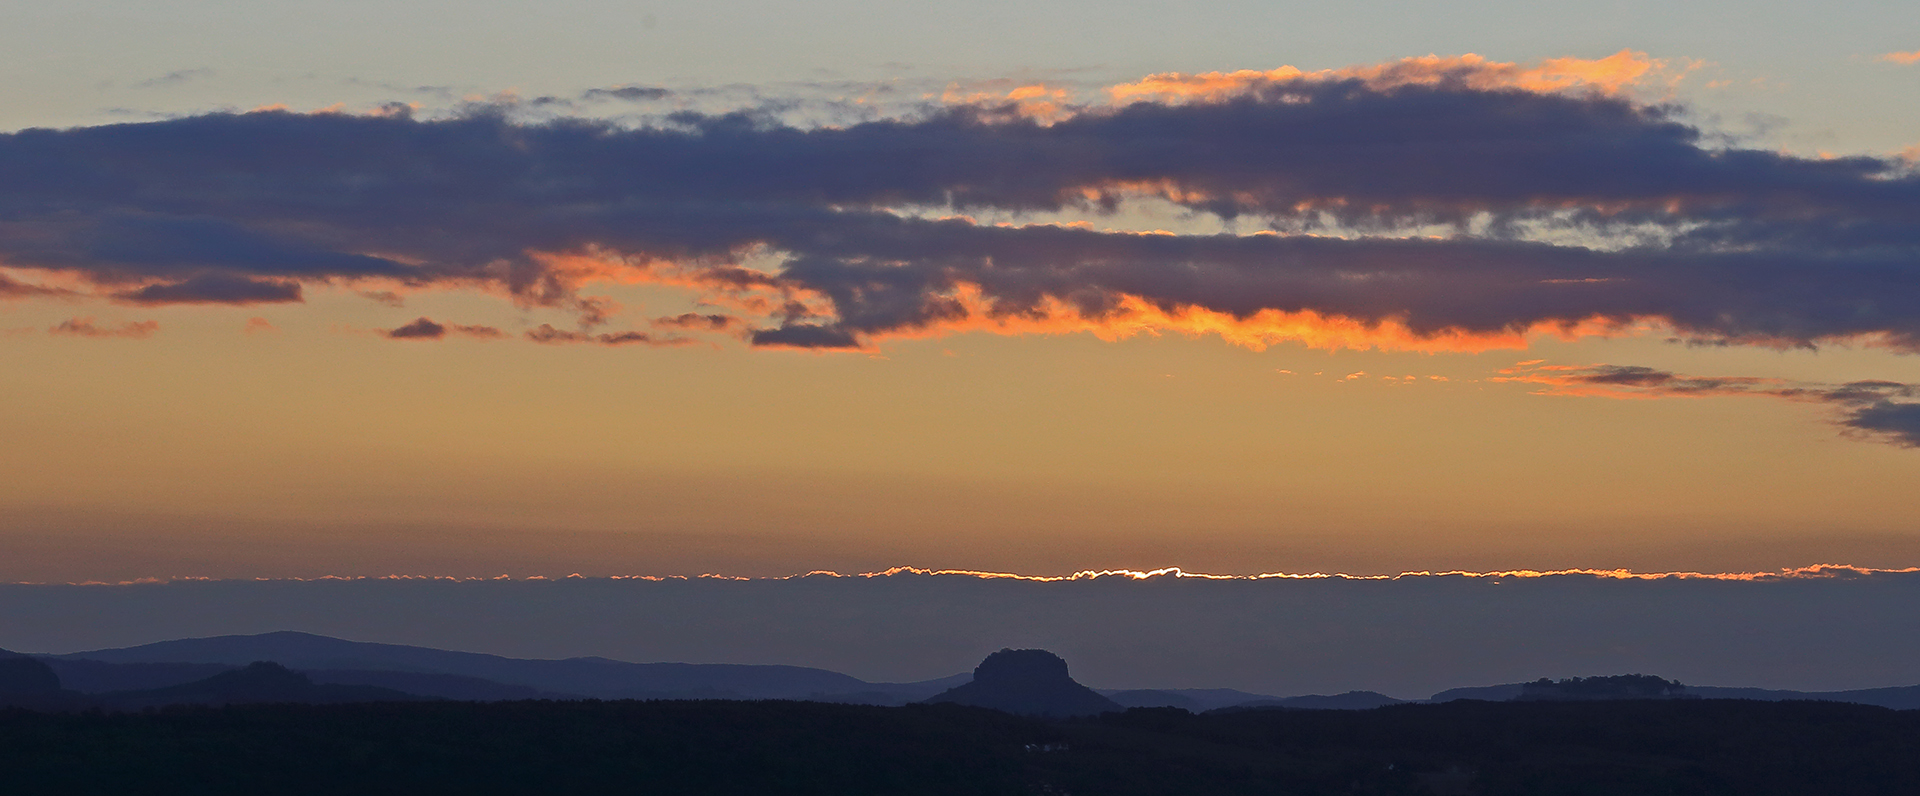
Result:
[[1688, 746]]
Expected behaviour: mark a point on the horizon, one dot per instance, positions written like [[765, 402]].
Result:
[[1415, 635], [1784, 573]]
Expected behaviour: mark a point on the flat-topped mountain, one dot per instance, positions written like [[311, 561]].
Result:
[[1030, 683]]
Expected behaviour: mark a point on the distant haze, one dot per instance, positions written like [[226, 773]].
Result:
[[1410, 636]]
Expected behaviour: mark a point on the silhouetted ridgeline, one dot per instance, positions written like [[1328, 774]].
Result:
[[1278, 636], [467, 675], [779, 747], [424, 672]]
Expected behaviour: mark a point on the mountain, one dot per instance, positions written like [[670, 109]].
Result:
[[22, 675], [1488, 693], [99, 677], [434, 684], [1029, 683], [29, 683], [598, 678], [255, 683]]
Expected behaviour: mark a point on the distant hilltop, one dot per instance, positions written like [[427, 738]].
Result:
[[1030, 683]]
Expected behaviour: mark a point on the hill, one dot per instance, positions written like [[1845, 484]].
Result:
[[261, 682], [587, 677], [1029, 683]]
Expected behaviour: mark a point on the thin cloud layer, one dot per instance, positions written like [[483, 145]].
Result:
[[546, 333], [424, 328], [1563, 206], [1885, 411], [85, 327]]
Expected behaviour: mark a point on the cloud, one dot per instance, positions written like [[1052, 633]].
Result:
[[806, 335], [1562, 206], [174, 77], [424, 328], [1611, 74], [545, 333], [11, 288], [215, 288], [1884, 411], [697, 321], [1898, 423], [1907, 58], [627, 93], [85, 327], [260, 326]]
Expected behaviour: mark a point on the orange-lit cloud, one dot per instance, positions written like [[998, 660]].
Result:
[[258, 325], [85, 327], [1427, 204], [1908, 58], [11, 288], [965, 309], [1608, 75], [1038, 101]]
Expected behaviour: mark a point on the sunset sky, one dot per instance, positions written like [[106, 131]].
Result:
[[760, 288]]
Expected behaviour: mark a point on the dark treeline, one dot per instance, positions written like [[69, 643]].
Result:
[[731, 747]]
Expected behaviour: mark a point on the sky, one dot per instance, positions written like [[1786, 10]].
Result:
[[763, 288]]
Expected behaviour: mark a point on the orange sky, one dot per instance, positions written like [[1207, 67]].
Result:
[[153, 438]]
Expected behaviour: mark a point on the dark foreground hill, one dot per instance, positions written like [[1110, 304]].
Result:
[[733, 747]]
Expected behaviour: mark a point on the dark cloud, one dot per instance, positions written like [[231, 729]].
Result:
[[1885, 411], [174, 77], [628, 93], [694, 320], [804, 335], [1728, 245], [1898, 423], [85, 327], [545, 333], [424, 328], [215, 288], [420, 329]]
